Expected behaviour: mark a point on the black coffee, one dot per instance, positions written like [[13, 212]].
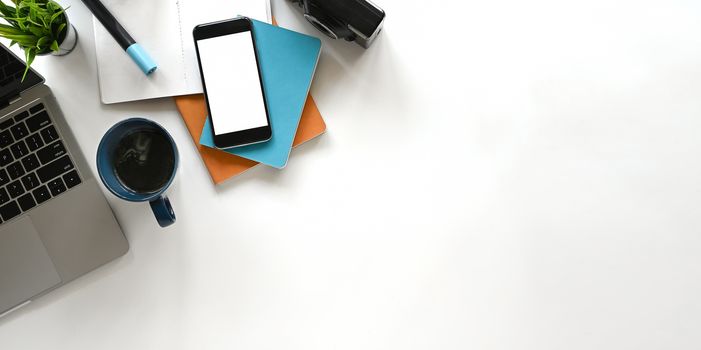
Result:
[[143, 161]]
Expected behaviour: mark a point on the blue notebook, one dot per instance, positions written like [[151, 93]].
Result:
[[288, 61]]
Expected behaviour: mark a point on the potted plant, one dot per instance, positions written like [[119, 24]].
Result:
[[39, 27]]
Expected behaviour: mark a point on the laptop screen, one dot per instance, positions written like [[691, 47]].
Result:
[[11, 71]]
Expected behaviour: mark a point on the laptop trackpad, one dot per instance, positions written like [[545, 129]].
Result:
[[25, 267]]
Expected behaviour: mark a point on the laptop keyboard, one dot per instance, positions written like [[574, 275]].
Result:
[[34, 163]]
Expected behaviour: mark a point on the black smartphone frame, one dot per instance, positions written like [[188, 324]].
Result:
[[232, 27]]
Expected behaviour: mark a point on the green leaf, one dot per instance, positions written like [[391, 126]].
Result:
[[5, 29], [6, 10], [37, 30], [29, 55], [60, 28], [34, 22], [54, 46], [21, 38], [43, 42], [55, 15]]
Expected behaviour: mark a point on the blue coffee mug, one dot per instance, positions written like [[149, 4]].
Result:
[[160, 205]]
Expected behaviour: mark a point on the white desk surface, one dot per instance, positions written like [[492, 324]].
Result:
[[495, 175]]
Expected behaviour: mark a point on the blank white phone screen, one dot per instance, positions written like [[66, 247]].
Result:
[[231, 78]]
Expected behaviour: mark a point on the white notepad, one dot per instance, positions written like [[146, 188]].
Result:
[[164, 29]]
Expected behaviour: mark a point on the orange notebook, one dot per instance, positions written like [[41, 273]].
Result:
[[223, 166]]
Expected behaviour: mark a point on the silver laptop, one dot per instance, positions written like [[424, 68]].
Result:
[[55, 223]]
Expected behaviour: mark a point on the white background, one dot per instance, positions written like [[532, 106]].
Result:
[[233, 86], [496, 175]]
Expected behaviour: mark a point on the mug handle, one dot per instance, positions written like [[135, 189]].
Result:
[[163, 211]]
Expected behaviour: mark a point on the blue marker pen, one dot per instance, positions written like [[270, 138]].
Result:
[[135, 51]]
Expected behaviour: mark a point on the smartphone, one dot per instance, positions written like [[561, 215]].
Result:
[[233, 88]]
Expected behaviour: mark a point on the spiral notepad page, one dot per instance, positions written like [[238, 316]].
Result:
[[164, 29]]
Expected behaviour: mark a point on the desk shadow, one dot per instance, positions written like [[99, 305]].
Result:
[[279, 177], [375, 76], [79, 66], [143, 108], [346, 67]]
